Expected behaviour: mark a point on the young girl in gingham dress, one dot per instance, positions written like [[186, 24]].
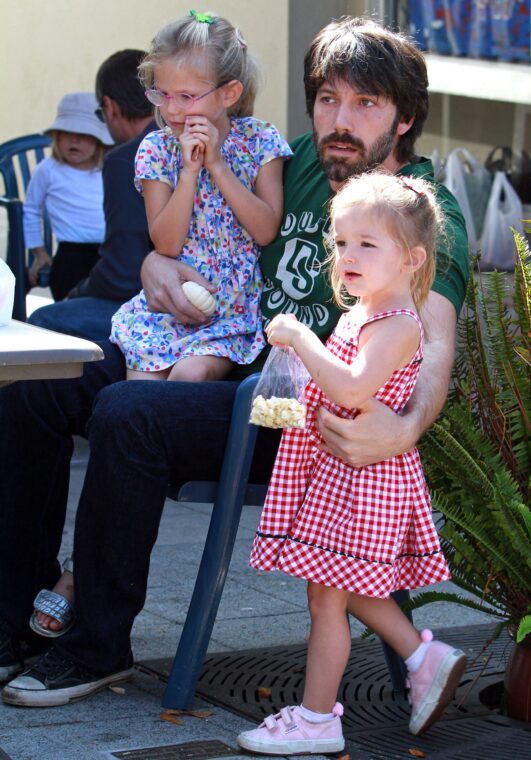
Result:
[[357, 534]]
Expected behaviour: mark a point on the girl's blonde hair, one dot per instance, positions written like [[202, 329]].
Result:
[[410, 214], [99, 153], [224, 46]]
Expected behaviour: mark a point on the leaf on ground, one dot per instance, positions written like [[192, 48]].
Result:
[[343, 757], [171, 718], [264, 692], [191, 713], [200, 713], [416, 752], [117, 689]]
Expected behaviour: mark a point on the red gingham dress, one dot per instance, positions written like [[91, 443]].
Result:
[[368, 530]]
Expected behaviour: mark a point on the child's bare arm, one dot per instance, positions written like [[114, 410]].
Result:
[[385, 346], [260, 212], [169, 211]]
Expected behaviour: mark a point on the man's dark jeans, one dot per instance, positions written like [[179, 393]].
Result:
[[141, 434], [88, 318]]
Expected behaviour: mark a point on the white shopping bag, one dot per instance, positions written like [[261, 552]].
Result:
[[7, 292], [470, 182], [438, 165], [504, 211]]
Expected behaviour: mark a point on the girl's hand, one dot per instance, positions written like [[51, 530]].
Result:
[[283, 330], [203, 130], [40, 259], [193, 151]]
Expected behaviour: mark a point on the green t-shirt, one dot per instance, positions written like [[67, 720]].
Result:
[[291, 265]]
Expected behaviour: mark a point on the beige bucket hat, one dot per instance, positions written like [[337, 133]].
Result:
[[75, 113]]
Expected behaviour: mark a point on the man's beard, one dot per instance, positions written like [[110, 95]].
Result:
[[338, 169]]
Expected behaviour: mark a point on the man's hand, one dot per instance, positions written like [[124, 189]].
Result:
[[162, 279], [377, 433]]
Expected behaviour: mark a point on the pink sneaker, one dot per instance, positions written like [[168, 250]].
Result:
[[432, 686], [288, 733]]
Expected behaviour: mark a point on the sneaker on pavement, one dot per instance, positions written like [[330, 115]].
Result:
[[56, 680], [14, 653], [289, 733], [433, 685], [11, 659]]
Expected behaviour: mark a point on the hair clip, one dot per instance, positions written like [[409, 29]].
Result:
[[202, 18], [240, 38], [410, 186]]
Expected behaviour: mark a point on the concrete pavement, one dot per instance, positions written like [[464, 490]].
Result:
[[257, 610]]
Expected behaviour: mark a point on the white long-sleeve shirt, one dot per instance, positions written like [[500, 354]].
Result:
[[73, 199]]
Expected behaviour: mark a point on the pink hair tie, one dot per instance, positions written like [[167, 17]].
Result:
[[409, 183]]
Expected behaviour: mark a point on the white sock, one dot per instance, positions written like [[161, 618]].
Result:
[[415, 660], [315, 717]]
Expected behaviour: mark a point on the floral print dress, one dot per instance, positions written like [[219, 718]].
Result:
[[217, 246]]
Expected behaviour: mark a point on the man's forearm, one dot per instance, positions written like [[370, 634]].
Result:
[[431, 389]]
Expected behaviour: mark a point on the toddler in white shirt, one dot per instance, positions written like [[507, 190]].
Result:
[[69, 187]]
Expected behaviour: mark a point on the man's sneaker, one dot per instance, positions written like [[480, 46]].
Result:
[[432, 686], [56, 680], [11, 660], [288, 733]]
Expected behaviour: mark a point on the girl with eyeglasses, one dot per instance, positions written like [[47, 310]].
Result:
[[212, 184]]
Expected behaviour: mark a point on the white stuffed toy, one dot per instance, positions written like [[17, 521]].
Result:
[[200, 297]]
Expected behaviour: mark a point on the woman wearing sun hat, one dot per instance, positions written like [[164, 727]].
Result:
[[68, 186]]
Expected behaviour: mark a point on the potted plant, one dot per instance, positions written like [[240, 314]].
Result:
[[477, 459]]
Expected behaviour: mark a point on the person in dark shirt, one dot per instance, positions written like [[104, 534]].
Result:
[[115, 278]]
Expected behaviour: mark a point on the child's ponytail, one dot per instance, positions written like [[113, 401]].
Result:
[[223, 45]]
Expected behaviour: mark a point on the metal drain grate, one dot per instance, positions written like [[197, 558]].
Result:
[[256, 683], [186, 751], [473, 738]]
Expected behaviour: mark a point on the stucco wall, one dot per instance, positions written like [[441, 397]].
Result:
[[56, 47]]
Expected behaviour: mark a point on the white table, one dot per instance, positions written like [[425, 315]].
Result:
[[30, 353]]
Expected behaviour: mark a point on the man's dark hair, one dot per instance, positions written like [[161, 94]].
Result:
[[376, 61], [117, 78]]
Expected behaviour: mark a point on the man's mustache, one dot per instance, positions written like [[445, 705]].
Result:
[[344, 139]]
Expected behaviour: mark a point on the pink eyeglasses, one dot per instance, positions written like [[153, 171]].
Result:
[[182, 99]]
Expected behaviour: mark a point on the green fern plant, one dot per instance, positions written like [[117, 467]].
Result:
[[477, 457]]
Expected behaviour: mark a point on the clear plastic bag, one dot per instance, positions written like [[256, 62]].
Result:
[[278, 397]]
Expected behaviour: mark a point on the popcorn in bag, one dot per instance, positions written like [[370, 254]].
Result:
[[278, 393]]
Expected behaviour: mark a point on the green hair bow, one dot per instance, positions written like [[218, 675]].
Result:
[[203, 18]]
